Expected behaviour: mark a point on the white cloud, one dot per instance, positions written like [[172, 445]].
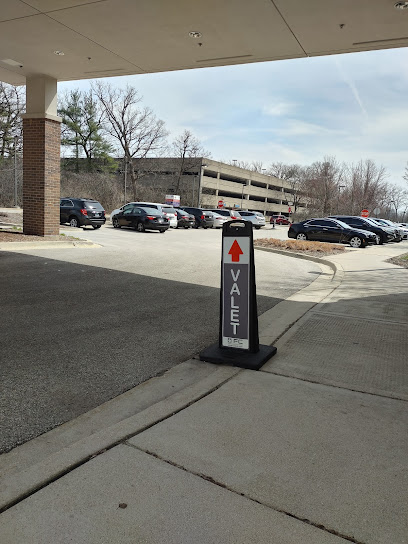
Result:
[[278, 108]]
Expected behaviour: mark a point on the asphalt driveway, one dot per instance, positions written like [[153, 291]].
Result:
[[81, 326]]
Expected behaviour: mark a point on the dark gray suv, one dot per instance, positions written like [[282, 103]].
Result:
[[79, 212], [203, 218]]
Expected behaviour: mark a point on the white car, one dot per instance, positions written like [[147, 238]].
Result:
[[404, 227], [257, 218], [219, 219]]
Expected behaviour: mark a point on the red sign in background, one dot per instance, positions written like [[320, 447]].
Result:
[[365, 213]]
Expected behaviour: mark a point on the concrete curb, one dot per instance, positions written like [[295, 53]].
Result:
[[299, 256], [278, 320], [16, 486], [52, 244]]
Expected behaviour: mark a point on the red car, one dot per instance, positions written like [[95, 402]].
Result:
[[280, 220]]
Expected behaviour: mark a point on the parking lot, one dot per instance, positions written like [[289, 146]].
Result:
[[82, 325]]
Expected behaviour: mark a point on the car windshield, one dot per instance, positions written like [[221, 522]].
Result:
[[221, 212], [169, 210], [370, 221], [93, 205], [149, 211], [344, 225]]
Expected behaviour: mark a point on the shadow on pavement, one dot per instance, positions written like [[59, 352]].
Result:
[[75, 336]]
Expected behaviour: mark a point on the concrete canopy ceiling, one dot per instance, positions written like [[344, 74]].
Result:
[[101, 38]]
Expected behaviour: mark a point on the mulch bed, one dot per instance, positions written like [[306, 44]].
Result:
[[315, 249], [401, 260]]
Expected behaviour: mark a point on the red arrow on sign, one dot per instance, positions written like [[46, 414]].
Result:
[[235, 252]]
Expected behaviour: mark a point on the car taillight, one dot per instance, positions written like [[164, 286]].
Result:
[[202, 217], [84, 212], [151, 217]]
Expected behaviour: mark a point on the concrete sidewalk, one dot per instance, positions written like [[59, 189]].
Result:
[[311, 449]]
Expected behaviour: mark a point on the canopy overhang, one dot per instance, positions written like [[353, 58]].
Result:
[[85, 39]]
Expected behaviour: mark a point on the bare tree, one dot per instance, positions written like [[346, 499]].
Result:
[[254, 166], [396, 199], [187, 148], [366, 186], [320, 185], [12, 105], [136, 131]]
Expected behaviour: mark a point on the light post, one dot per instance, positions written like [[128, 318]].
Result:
[[234, 161], [15, 172], [200, 183], [338, 196], [125, 179]]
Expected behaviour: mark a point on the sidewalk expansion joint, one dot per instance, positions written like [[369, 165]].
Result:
[[248, 497], [333, 385], [363, 318], [123, 439]]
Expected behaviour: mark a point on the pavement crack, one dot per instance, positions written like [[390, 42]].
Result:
[[333, 385], [213, 481]]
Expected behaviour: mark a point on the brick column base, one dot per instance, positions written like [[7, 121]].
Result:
[[41, 176]]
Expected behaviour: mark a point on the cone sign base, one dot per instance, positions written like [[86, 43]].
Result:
[[241, 359]]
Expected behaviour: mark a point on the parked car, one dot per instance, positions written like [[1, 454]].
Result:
[[141, 218], [279, 220], [404, 227], [398, 231], [384, 234], [184, 219], [79, 212], [228, 214], [331, 230], [219, 219], [257, 218], [117, 210], [202, 217]]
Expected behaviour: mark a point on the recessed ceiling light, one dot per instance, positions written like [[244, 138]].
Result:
[[194, 34], [401, 5], [60, 53]]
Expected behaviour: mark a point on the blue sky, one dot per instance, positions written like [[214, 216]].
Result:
[[350, 106]]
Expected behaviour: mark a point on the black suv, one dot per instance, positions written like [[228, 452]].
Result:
[[79, 212], [203, 218], [383, 234]]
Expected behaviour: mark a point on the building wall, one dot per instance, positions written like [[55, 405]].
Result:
[[218, 181]]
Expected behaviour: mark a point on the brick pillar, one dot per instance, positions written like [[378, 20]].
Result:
[[41, 176]]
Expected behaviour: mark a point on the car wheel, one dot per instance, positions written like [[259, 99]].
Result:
[[301, 236], [162, 230], [257, 228], [186, 227], [73, 221], [140, 227], [115, 223], [382, 240], [96, 226], [205, 227], [377, 239], [356, 241], [195, 226]]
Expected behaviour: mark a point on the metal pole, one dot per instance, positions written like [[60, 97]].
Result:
[[194, 181], [15, 173], [199, 187], [125, 180]]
